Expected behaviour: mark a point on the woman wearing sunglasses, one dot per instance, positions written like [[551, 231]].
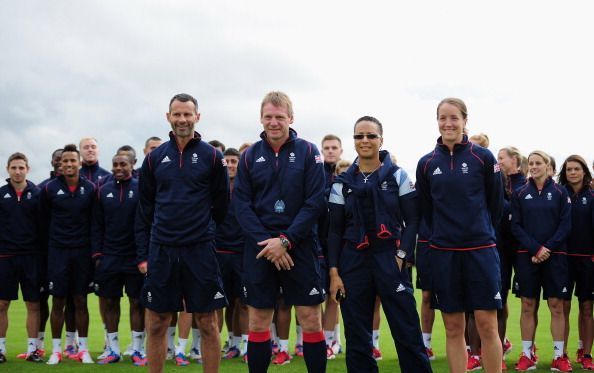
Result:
[[461, 194], [373, 223]]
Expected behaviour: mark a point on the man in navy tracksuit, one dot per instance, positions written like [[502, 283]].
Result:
[[114, 252], [20, 251], [66, 203], [184, 189], [279, 195], [90, 169]]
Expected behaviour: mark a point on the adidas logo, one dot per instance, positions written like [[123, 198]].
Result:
[[528, 196], [497, 296], [261, 159], [7, 195], [60, 192], [437, 171], [400, 288], [218, 295], [564, 290], [110, 195], [166, 159], [314, 291]]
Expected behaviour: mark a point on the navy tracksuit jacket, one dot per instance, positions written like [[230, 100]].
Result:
[[19, 220]]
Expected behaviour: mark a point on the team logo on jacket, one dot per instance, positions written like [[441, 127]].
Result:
[[82, 191], [528, 196], [261, 159], [384, 185], [131, 194], [244, 292], [60, 192], [224, 162], [496, 168], [314, 291], [400, 288], [165, 160], [584, 201], [51, 285], [109, 195], [464, 168], [149, 297], [497, 296], [7, 195], [437, 171], [28, 195], [194, 158], [549, 196], [291, 157]]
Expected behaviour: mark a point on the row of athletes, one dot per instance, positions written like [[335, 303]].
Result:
[[359, 202]]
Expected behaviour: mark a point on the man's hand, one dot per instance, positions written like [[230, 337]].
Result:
[[542, 255], [275, 253], [143, 267], [336, 284]]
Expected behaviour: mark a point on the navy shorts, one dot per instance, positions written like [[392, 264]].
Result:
[[507, 258], [465, 281], [301, 286], [423, 264], [69, 272], [230, 266], [113, 273], [24, 270], [551, 275], [581, 274], [181, 276], [324, 274]]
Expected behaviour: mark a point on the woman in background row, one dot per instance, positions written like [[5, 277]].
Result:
[[576, 178], [541, 221]]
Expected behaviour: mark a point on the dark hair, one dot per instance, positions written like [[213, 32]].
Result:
[[368, 118], [553, 164], [56, 151], [184, 97], [217, 144], [129, 149], [152, 138], [71, 148], [127, 156], [562, 178], [232, 152], [15, 156], [331, 137]]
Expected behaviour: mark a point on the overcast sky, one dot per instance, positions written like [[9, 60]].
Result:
[[108, 69]]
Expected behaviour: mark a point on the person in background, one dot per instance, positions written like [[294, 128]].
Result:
[[90, 169]]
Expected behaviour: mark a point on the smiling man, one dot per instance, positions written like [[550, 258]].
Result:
[[89, 151], [184, 187]]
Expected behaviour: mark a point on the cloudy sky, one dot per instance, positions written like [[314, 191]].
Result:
[[108, 69]]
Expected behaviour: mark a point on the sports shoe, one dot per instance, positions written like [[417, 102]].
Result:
[[525, 363], [106, 352], [181, 360], [330, 353], [129, 350], [195, 355], [587, 363], [55, 358], [170, 354], [84, 357], [281, 358], [109, 359], [579, 355], [336, 348], [561, 364], [34, 357], [70, 352], [507, 346], [376, 353], [245, 358], [232, 353], [138, 359], [534, 355], [430, 353], [299, 350], [225, 347], [503, 365], [473, 363], [275, 348], [2, 358]]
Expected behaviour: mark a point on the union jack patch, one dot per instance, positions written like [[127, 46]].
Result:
[[496, 168], [224, 162], [318, 159]]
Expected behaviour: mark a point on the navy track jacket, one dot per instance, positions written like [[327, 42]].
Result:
[[461, 196], [581, 238], [94, 172], [19, 220], [541, 218], [181, 193], [113, 218], [68, 214], [293, 177], [229, 237]]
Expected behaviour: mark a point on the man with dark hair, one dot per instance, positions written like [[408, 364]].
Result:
[[218, 145], [151, 144], [90, 169], [66, 204], [278, 197], [184, 187], [20, 251], [114, 253]]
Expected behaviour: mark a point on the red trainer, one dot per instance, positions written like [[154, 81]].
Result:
[[587, 362], [282, 358], [579, 355], [561, 364], [474, 363], [377, 354], [507, 346], [430, 353], [525, 363]]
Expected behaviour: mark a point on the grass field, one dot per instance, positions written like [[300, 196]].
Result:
[[16, 343]]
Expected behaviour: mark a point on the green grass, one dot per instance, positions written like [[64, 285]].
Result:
[[16, 343]]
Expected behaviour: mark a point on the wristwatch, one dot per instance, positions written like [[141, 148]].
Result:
[[400, 254], [284, 242]]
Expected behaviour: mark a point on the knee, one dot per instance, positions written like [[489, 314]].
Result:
[[310, 319], [207, 322], [33, 307], [426, 298], [528, 305], [80, 302], [157, 323], [58, 304]]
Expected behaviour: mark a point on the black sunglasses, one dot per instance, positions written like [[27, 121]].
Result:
[[370, 136]]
